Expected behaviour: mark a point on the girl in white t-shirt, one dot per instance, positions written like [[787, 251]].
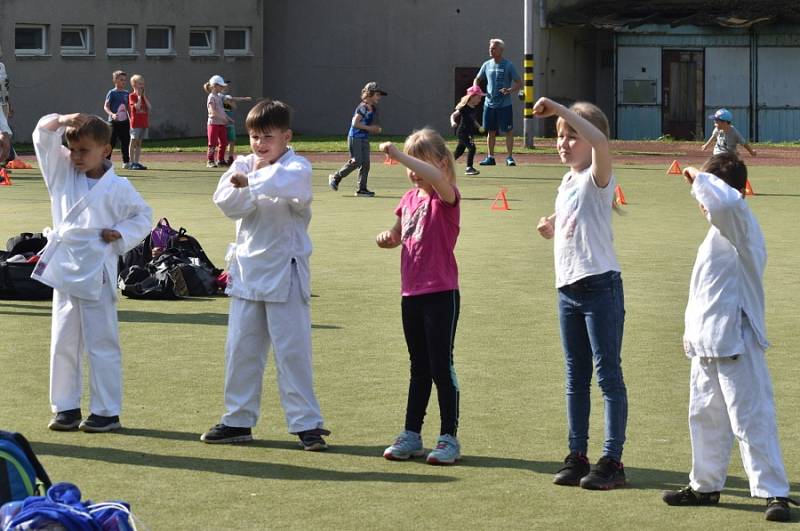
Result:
[[590, 296]]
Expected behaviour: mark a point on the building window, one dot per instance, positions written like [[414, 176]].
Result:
[[30, 40], [202, 41], [159, 41], [121, 40], [237, 41], [76, 40]]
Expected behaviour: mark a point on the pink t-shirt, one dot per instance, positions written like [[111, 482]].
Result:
[[429, 229]]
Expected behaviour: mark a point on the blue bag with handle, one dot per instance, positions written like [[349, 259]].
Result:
[[21, 473]]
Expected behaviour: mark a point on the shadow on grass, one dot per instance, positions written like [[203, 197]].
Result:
[[776, 195], [231, 467], [204, 318]]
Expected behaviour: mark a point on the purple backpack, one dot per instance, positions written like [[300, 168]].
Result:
[[161, 234]]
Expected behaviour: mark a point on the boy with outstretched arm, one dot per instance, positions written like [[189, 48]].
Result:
[[97, 216], [730, 390]]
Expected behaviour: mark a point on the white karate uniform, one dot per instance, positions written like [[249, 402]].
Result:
[[82, 269], [725, 336], [270, 290]]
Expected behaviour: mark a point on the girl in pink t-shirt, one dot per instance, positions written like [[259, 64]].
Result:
[[427, 228]]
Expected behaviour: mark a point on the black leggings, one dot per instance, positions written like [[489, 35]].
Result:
[[465, 142], [121, 131], [429, 324]]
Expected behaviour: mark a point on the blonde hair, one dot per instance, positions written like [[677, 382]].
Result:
[[135, 78], [589, 112], [463, 102], [207, 87], [428, 145], [118, 73]]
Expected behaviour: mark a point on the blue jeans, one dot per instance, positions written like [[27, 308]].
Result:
[[592, 315]]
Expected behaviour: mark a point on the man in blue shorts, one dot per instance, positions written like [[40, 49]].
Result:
[[502, 80]]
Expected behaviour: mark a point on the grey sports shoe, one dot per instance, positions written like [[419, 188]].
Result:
[[447, 451], [408, 444], [333, 183]]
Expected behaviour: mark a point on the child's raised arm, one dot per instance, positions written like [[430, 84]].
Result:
[[425, 171], [601, 155]]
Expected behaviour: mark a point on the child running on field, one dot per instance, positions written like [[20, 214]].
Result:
[[427, 228], [363, 123], [139, 105], [465, 121], [229, 104], [726, 137], [217, 121], [730, 390], [97, 217], [268, 195], [590, 297]]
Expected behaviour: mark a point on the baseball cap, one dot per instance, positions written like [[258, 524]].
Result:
[[372, 86], [723, 115], [475, 90], [217, 80]]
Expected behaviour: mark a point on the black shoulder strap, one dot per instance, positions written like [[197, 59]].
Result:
[[37, 466]]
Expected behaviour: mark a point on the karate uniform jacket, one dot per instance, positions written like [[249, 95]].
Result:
[[727, 275], [76, 260], [272, 215]]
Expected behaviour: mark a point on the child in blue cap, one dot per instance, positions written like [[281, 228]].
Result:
[[727, 137]]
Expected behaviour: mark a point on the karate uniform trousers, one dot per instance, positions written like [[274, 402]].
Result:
[[732, 397]]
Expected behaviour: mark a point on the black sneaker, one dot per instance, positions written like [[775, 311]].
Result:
[[689, 496], [100, 424], [576, 466], [222, 434], [312, 441], [606, 475], [66, 420], [365, 193], [778, 509]]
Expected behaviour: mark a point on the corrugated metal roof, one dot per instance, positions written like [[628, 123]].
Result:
[[631, 13]]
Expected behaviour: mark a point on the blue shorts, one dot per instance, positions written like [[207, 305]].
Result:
[[500, 119], [231, 130]]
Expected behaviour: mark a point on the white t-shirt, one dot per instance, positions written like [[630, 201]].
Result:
[[584, 242]]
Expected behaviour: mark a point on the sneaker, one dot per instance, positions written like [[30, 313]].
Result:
[[408, 444], [312, 441], [447, 451], [230, 161], [689, 496], [211, 164], [471, 171], [222, 163], [333, 183], [100, 424], [778, 509], [606, 475], [510, 161], [488, 161], [127, 166], [66, 420], [137, 166], [576, 466], [222, 434], [365, 193]]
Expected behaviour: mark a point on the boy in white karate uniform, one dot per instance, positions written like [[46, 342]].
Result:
[[725, 338], [268, 194], [97, 216]]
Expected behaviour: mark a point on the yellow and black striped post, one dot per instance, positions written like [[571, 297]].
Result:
[[528, 112]]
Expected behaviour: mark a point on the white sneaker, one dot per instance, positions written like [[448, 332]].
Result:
[[408, 444], [447, 451]]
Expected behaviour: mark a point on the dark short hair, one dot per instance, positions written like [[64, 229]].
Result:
[[728, 167], [269, 114], [94, 128]]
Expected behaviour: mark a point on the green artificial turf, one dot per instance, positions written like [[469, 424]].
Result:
[[508, 360]]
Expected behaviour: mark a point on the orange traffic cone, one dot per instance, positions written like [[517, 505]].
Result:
[[619, 196], [389, 161], [19, 164], [500, 201], [6, 177], [674, 168], [748, 190]]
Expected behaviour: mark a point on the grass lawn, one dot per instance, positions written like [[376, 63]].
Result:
[[508, 360]]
